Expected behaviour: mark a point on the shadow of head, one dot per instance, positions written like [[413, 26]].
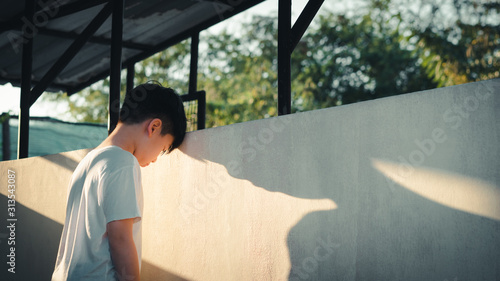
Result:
[[275, 154]]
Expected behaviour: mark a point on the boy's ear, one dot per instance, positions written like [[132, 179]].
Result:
[[154, 126]]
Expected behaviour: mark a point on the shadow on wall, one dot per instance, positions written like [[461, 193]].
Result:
[[41, 184], [381, 229], [63, 160], [67, 160], [157, 273], [32, 261], [35, 261]]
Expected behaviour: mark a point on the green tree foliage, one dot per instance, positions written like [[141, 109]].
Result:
[[350, 60], [239, 74], [458, 41], [170, 68], [382, 48]]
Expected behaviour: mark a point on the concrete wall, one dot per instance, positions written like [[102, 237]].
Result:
[[402, 188]]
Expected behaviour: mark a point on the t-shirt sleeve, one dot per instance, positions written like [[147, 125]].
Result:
[[119, 195]]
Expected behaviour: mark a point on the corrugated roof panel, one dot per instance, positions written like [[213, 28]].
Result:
[[149, 26], [75, 22], [92, 59], [47, 49], [10, 8]]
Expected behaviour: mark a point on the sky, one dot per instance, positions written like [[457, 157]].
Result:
[[9, 95]]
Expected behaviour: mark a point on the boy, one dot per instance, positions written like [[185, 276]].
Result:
[[101, 239]]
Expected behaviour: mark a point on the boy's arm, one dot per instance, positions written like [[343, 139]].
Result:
[[123, 251]]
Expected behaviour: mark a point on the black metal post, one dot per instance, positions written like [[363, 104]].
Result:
[[115, 64], [27, 64], [284, 56], [130, 76], [193, 69], [5, 136], [202, 104]]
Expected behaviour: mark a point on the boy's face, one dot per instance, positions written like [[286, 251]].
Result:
[[156, 145]]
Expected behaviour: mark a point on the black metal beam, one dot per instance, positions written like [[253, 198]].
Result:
[[115, 64], [172, 41], [93, 39], [70, 53], [50, 12], [27, 64], [284, 56], [193, 81], [304, 20], [193, 69]]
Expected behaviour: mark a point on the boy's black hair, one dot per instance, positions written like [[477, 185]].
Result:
[[152, 100]]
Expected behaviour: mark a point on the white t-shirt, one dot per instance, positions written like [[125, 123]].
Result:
[[106, 186]]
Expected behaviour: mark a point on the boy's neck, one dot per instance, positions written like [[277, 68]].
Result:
[[123, 136]]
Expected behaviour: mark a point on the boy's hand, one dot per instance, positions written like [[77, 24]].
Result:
[[123, 251]]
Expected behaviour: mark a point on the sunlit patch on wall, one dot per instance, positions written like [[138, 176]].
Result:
[[459, 192]]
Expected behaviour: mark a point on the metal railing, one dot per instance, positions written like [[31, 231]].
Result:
[[194, 106]]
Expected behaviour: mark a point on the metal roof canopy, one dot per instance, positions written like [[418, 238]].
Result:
[[67, 45]]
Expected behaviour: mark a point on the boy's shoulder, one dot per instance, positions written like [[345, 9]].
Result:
[[109, 158]]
